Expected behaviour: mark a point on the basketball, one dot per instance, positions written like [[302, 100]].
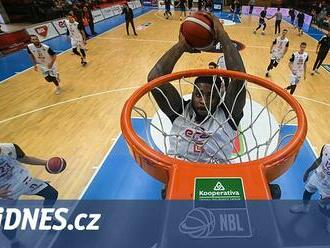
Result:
[[197, 30], [55, 165]]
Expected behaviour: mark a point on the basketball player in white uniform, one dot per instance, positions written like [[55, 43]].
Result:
[[16, 180], [78, 39], [317, 179], [278, 50], [297, 65], [43, 59], [203, 127]]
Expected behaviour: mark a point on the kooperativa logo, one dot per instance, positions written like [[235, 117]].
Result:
[[44, 219]]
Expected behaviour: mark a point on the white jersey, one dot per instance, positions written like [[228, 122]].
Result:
[[14, 177], [206, 142], [74, 30], [298, 61], [40, 54], [319, 180], [279, 48]]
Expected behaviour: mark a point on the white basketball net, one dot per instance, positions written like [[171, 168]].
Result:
[[265, 127]]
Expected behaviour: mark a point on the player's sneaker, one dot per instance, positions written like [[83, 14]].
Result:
[[58, 90], [267, 74], [263, 33], [180, 18], [317, 71], [312, 73], [300, 209]]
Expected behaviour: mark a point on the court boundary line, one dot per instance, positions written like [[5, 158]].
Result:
[[64, 51], [68, 101], [120, 90], [115, 140]]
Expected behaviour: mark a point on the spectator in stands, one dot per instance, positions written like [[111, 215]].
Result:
[[292, 15], [252, 3], [301, 20], [129, 16], [321, 17], [88, 17], [78, 15]]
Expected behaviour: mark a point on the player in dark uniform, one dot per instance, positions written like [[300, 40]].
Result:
[[322, 50], [292, 15], [262, 21], [300, 18], [167, 12], [190, 5], [182, 5]]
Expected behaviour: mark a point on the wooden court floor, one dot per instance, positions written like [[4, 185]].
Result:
[[82, 123]]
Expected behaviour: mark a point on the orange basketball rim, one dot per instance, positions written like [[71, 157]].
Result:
[[179, 176]]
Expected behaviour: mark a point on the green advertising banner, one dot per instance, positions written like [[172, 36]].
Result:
[[219, 189]]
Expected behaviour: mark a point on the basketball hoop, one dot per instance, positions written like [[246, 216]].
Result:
[[261, 163]]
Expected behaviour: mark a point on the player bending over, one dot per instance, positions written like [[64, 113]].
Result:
[[203, 127], [317, 179], [43, 59], [78, 38], [298, 66], [278, 50]]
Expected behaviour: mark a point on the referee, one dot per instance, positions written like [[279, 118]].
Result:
[[322, 50]]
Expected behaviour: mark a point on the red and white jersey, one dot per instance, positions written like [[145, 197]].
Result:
[[298, 61], [14, 177], [74, 31], [208, 142], [40, 54], [279, 47]]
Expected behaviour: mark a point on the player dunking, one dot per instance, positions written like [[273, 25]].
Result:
[[278, 50], [262, 21], [200, 116], [78, 39], [195, 116], [43, 59], [317, 179], [297, 65]]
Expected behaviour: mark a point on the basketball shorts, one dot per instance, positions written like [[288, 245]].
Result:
[[295, 79], [262, 22], [276, 57], [48, 72], [314, 183], [30, 186], [77, 43], [168, 7]]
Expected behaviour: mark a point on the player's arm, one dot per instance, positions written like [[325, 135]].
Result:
[[34, 62], [166, 96], [272, 46], [236, 91], [80, 28], [286, 48], [291, 63], [305, 68], [23, 158], [53, 57], [318, 45], [310, 169]]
